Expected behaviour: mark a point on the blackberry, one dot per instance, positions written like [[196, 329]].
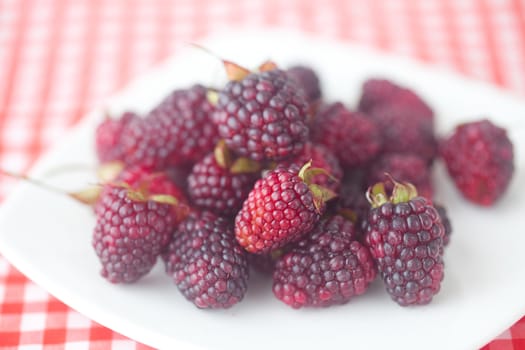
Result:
[[404, 131], [480, 159], [380, 93], [206, 262], [405, 236], [306, 78], [263, 116], [130, 234], [215, 187], [108, 137], [351, 136], [178, 131], [325, 268]]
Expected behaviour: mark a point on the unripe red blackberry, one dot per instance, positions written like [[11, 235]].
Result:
[[206, 262], [263, 116], [405, 236], [283, 206], [325, 268]]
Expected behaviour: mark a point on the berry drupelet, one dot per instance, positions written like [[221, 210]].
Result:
[[325, 268], [206, 262], [405, 236]]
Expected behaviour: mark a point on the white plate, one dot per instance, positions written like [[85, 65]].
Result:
[[48, 237]]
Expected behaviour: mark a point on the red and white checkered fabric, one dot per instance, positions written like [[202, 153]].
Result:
[[58, 59]]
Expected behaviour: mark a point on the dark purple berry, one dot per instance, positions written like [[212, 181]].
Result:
[[325, 268], [206, 262]]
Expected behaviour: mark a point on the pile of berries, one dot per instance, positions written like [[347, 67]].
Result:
[[265, 173]]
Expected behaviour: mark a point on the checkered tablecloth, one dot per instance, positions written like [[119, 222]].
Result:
[[58, 59]]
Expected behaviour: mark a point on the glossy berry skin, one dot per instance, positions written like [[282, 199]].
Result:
[[306, 79], [323, 269], [206, 262], [108, 137], [279, 209], [263, 116], [378, 93], [217, 189], [351, 136], [321, 157], [480, 159], [406, 241], [404, 168], [129, 235], [405, 131], [178, 131]]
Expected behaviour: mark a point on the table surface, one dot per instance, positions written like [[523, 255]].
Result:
[[59, 59]]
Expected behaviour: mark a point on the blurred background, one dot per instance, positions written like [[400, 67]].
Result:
[[59, 59]]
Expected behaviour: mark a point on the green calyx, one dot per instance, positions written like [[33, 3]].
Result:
[[320, 194], [401, 192], [239, 165]]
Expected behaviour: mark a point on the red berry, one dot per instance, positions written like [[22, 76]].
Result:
[[325, 268], [480, 159], [321, 157], [263, 116], [405, 236], [404, 168], [217, 188], [280, 209], [178, 131], [351, 136], [206, 262], [378, 93], [108, 137], [130, 234], [405, 131]]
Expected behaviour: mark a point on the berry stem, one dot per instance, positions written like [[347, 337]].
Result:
[[233, 70], [86, 196]]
